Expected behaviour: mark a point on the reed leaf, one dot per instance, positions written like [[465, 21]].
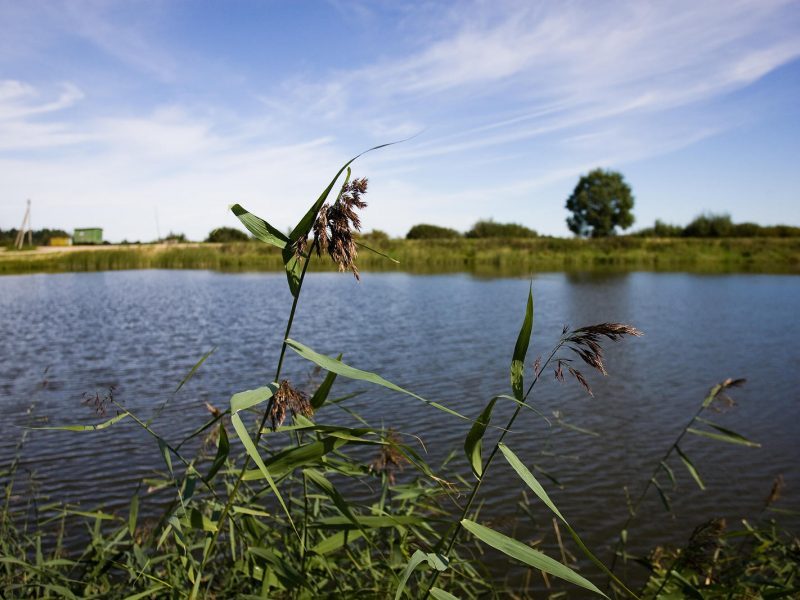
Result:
[[340, 368], [521, 349], [259, 227], [193, 370], [97, 427], [523, 553], [473, 441], [243, 401], [321, 395], [223, 448], [531, 481], [440, 594], [690, 467], [729, 432], [133, 514], [436, 561], [378, 252], [726, 436]]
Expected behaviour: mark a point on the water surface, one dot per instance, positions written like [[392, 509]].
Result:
[[448, 338]]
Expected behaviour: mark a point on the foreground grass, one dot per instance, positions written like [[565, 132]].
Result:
[[515, 256]]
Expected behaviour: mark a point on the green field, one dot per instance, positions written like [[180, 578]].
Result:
[[489, 256]]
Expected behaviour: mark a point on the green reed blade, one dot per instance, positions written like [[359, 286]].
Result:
[[223, 449], [321, 395], [521, 349], [690, 467], [97, 427], [529, 556], [319, 480], [729, 432], [259, 227], [133, 514], [243, 401], [440, 594], [531, 481], [197, 365], [436, 561], [731, 438], [473, 441], [335, 366], [378, 252]]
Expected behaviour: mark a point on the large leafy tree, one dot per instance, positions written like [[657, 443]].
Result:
[[600, 203]]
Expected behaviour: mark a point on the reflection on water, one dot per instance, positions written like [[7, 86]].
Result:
[[447, 337]]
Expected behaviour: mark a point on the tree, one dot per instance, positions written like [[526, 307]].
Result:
[[490, 229], [600, 203], [222, 235], [423, 231]]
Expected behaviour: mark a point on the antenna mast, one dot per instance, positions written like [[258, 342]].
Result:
[[25, 228]]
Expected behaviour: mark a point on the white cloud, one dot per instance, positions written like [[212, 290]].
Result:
[[511, 97]]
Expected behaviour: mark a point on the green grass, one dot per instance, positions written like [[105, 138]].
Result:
[[486, 256]]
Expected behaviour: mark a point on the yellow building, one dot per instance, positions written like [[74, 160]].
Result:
[[60, 241]]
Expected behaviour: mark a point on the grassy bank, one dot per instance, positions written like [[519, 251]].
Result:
[[765, 255]]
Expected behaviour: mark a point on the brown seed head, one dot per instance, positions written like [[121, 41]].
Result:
[[389, 459], [585, 342], [288, 399], [333, 229]]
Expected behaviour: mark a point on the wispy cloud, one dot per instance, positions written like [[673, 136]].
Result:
[[512, 98]]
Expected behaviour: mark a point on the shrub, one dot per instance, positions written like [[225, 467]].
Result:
[[222, 235], [425, 231], [490, 229]]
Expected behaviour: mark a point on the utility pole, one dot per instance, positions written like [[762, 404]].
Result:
[[25, 228]]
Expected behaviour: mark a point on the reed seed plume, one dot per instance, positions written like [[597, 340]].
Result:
[[585, 341], [775, 492], [389, 460], [333, 229], [288, 399], [97, 402], [703, 548]]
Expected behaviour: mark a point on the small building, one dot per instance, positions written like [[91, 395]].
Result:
[[89, 235], [60, 240]]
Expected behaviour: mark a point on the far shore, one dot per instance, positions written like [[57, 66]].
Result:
[[484, 256]]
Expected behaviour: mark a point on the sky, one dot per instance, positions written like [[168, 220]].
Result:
[[144, 117]]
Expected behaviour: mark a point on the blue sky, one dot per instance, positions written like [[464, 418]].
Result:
[[111, 112]]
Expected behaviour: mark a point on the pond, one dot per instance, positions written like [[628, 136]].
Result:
[[448, 338]]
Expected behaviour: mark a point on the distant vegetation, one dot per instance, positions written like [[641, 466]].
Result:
[[222, 235], [711, 225], [41, 237], [424, 231], [490, 229]]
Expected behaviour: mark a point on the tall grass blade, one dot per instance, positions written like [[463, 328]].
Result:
[[537, 489], [223, 448], [727, 436], [435, 561], [193, 370], [690, 467], [133, 514], [529, 556], [473, 441], [730, 433], [321, 395], [243, 401], [378, 252], [440, 594], [338, 367], [103, 425], [521, 349], [259, 227], [319, 480]]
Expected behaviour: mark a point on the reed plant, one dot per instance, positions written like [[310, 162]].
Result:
[[260, 511]]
